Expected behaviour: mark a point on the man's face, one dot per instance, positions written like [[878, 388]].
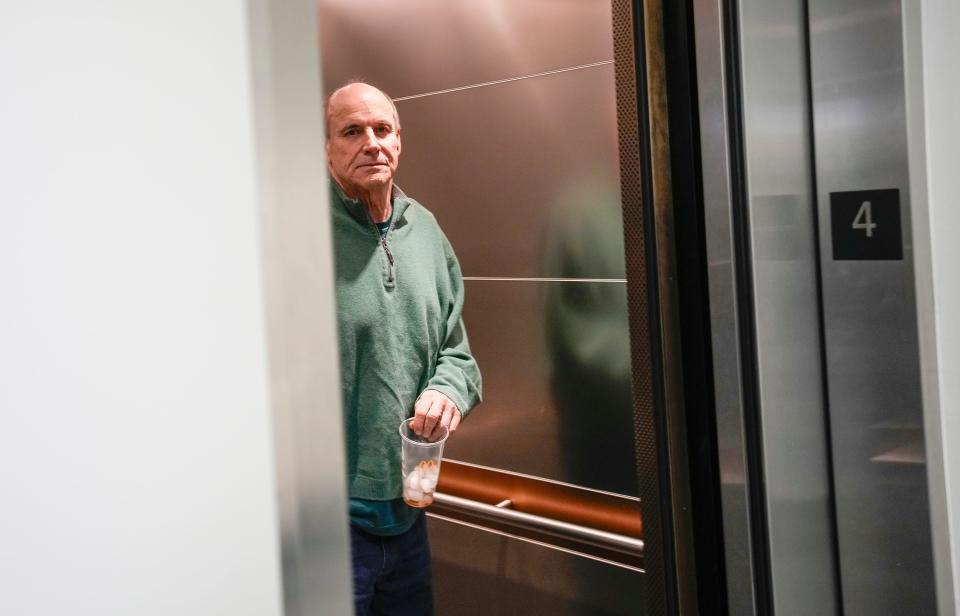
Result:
[[363, 144]]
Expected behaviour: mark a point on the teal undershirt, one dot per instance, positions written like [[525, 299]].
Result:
[[383, 518], [389, 517]]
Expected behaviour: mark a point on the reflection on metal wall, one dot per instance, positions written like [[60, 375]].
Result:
[[509, 134], [550, 414]]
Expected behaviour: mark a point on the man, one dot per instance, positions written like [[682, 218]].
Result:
[[403, 347]]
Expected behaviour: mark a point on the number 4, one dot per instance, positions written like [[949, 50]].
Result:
[[864, 219]]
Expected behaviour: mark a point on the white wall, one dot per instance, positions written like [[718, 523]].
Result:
[[933, 91], [941, 49], [136, 462]]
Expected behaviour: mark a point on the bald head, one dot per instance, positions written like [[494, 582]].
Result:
[[350, 93]]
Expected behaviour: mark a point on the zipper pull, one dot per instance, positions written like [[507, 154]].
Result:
[[386, 249]]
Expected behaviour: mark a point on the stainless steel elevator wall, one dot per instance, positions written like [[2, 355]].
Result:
[[421, 46], [480, 573], [869, 311], [509, 137]]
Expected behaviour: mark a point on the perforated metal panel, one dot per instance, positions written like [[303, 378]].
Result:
[[633, 193]]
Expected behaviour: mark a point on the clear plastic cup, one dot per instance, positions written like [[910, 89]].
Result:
[[420, 462]]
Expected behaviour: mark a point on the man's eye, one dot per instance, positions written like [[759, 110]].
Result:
[[350, 132], [383, 130]]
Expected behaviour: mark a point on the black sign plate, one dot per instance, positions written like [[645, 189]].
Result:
[[866, 225]]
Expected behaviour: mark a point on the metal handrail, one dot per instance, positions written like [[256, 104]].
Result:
[[565, 530]]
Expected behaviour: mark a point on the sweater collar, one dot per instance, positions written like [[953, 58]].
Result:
[[358, 211]]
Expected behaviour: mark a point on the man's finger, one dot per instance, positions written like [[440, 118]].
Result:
[[419, 414], [449, 411], [432, 418], [455, 420]]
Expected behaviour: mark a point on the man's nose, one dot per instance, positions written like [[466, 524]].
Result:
[[370, 142]]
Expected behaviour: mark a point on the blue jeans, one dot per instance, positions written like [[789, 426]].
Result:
[[392, 576]]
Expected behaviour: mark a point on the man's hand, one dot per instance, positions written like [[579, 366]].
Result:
[[432, 410]]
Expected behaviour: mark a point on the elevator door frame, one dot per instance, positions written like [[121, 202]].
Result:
[[779, 86], [769, 386]]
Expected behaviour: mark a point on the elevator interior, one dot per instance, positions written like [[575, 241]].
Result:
[[802, 447], [509, 124]]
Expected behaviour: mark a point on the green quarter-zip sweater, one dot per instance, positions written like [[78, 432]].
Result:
[[399, 302]]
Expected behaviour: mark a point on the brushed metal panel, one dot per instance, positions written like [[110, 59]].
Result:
[[556, 369], [876, 411], [305, 392], [503, 166], [712, 102], [420, 46], [784, 262], [483, 573]]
